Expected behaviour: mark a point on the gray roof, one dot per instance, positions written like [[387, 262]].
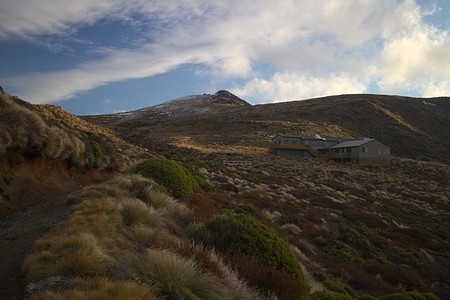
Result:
[[353, 143]]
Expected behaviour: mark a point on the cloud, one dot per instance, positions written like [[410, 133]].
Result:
[[313, 48], [121, 65], [292, 86], [419, 61]]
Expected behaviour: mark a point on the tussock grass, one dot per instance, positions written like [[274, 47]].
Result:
[[134, 212], [99, 288], [77, 254], [102, 206], [145, 236], [209, 260], [49, 132], [111, 235], [168, 206], [23, 128], [174, 277]]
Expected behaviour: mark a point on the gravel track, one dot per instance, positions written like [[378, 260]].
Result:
[[18, 232]]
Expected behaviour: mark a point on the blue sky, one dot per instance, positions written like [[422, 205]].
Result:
[[107, 56]]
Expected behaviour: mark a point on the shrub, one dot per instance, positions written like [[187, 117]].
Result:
[[204, 207], [242, 234], [410, 296], [266, 278], [175, 178], [173, 277], [327, 295]]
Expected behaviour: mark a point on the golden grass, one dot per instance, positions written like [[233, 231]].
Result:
[[174, 277], [110, 236], [209, 260], [77, 254], [144, 236], [99, 288], [95, 192], [134, 212]]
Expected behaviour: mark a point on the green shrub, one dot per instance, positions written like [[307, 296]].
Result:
[[366, 297], [327, 295], [175, 178], [242, 234], [410, 296], [201, 180]]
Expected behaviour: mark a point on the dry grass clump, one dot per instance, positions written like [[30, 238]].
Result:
[[61, 144], [134, 212], [168, 206], [209, 260], [95, 192], [77, 254], [99, 288], [174, 277], [24, 130], [21, 128], [144, 236]]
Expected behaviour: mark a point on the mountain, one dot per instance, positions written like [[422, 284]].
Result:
[[413, 127]]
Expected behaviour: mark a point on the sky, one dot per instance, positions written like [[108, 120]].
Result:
[[108, 56]]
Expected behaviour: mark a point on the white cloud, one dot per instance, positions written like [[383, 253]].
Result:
[[292, 86], [384, 43], [121, 65], [419, 61]]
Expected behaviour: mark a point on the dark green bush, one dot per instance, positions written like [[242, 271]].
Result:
[[246, 209], [201, 180], [242, 234], [172, 176]]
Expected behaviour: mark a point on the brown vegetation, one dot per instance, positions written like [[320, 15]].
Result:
[[50, 151]]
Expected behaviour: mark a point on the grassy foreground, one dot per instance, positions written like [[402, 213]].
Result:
[[126, 240]]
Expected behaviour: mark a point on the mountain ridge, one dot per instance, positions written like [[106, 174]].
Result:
[[412, 127]]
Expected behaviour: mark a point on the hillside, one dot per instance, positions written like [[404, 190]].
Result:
[[50, 151], [357, 229], [279, 228], [413, 127]]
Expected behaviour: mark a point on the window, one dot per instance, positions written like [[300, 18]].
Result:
[[364, 149], [349, 150]]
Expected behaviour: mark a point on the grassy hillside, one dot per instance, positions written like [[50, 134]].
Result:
[[412, 127], [344, 231], [355, 231], [358, 230], [51, 151], [126, 240]]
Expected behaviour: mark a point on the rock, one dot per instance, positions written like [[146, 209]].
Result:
[[46, 283]]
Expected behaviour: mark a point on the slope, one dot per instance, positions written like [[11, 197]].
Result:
[[413, 127], [46, 151]]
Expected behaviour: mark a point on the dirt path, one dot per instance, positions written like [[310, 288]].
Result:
[[18, 232]]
